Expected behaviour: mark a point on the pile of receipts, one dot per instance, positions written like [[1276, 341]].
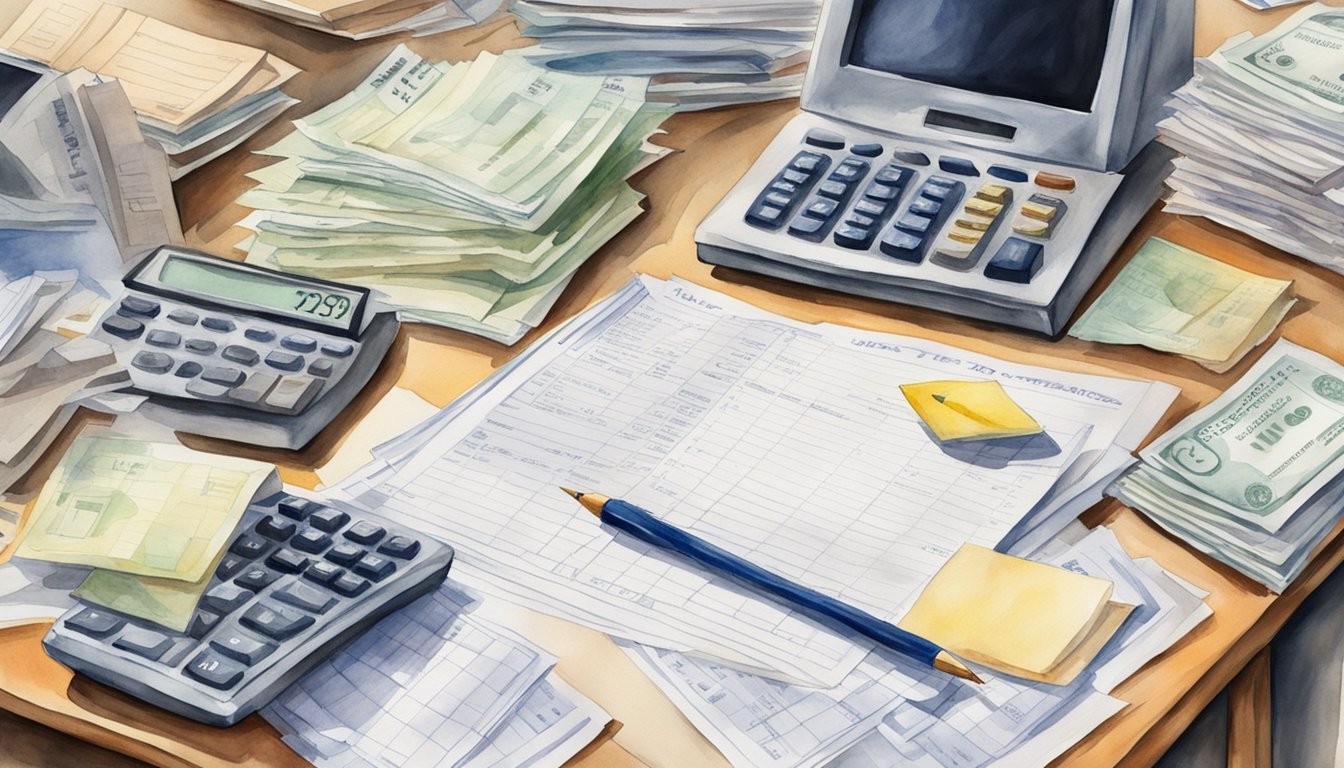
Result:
[[433, 684], [1261, 126], [699, 54], [467, 195], [196, 96], [363, 19], [1254, 478], [738, 425]]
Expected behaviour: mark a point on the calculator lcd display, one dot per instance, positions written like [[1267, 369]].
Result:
[[1044, 51], [321, 304]]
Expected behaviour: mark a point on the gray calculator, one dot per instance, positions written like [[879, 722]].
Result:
[[231, 350], [301, 578]]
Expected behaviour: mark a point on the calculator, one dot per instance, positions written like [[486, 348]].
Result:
[[955, 228], [302, 577], [235, 351]]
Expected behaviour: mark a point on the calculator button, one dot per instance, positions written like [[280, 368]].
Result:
[[902, 245], [134, 305], [778, 200], [183, 316], [123, 327], [364, 532], [892, 176], [206, 390], [301, 595], [256, 578], [833, 189], [1031, 227], [807, 227], [914, 223], [299, 343], [859, 220], [820, 209], [152, 362], [240, 648], [1007, 174], [257, 386], [871, 207], [275, 622], [188, 370], [926, 207], [323, 368], [143, 642], [867, 150], [824, 139], [287, 561], [250, 546], [1017, 261], [328, 519], [294, 508], [374, 567], [323, 573], [201, 346], [229, 566], [795, 177], [911, 157], [764, 216], [345, 554], [983, 207], [94, 623], [350, 586], [935, 192], [277, 528], [400, 547], [202, 623], [221, 324], [226, 598], [858, 238], [994, 193], [806, 162], [777, 186], [162, 338], [224, 376], [214, 670], [957, 165], [849, 171], [285, 361], [260, 334], [294, 392], [311, 540], [1055, 181], [882, 192], [241, 355]]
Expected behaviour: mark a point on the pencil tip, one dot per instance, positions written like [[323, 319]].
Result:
[[573, 493], [946, 662]]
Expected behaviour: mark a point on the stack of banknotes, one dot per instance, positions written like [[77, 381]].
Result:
[[699, 54], [1254, 478], [1261, 126], [466, 195]]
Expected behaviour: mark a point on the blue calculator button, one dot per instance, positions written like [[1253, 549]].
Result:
[[189, 370], [824, 139], [260, 334], [299, 343], [902, 245], [935, 192], [1017, 261], [215, 670], [778, 199], [893, 176], [94, 623], [833, 189], [134, 305], [858, 238], [235, 353], [807, 162], [882, 192], [911, 157], [221, 324], [152, 362], [1006, 173], [285, 361], [856, 219], [926, 206], [162, 338], [866, 150], [850, 170], [183, 316], [870, 207], [820, 209], [123, 327], [957, 165], [764, 216], [275, 622], [145, 643], [201, 346], [914, 223], [784, 187], [806, 227]]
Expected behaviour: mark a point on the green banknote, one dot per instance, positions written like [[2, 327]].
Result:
[[1261, 450], [1304, 56]]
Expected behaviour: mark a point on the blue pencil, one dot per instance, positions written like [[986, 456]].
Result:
[[638, 523]]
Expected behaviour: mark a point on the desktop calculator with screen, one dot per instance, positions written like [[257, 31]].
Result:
[[235, 351], [300, 579]]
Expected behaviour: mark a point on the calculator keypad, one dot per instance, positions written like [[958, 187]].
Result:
[[183, 352]]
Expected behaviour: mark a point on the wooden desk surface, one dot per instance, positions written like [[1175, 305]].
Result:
[[715, 149]]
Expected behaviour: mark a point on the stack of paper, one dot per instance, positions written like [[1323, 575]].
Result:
[[466, 194], [738, 425], [44, 374], [196, 96], [433, 684], [1254, 478], [1173, 299], [946, 723], [1262, 126], [363, 19], [700, 54]]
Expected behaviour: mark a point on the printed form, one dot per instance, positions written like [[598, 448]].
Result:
[[786, 443]]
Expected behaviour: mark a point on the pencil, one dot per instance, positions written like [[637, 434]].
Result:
[[630, 519]]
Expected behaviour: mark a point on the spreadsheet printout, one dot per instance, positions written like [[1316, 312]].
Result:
[[783, 442]]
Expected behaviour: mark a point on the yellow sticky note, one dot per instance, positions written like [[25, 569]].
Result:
[[969, 410], [1017, 616]]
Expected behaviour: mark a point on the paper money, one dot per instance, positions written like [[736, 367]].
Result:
[[1259, 451], [1301, 56], [152, 509]]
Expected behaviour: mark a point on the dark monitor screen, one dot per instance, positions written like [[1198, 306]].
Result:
[[1044, 51], [14, 82]]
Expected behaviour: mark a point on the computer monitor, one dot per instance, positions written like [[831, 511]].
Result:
[[1078, 82]]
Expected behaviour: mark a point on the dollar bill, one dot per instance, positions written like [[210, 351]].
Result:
[[1303, 56], [1261, 450]]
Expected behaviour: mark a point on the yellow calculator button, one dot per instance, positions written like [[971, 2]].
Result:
[[1031, 227], [995, 193], [963, 235], [977, 223], [983, 207], [1038, 211]]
